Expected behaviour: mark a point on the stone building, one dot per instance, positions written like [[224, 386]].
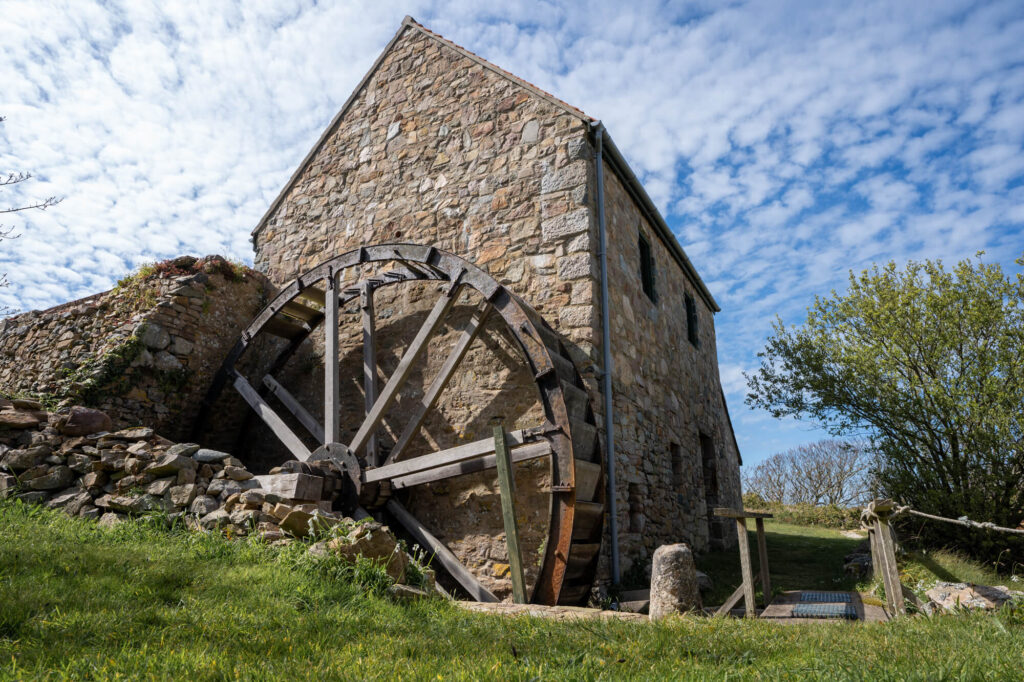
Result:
[[437, 146]]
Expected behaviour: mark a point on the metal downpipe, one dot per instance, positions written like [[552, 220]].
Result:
[[606, 350]]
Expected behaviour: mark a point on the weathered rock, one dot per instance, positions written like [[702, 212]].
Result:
[[154, 336], [218, 518], [246, 518], [237, 473], [207, 456], [183, 495], [293, 486], [8, 485], [406, 593], [372, 541], [27, 404], [21, 460], [110, 460], [83, 421], [673, 582], [71, 501], [16, 419], [182, 449], [953, 596], [704, 583], [160, 487], [80, 463], [203, 505], [58, 477], [170, 464], [33, 496], [90, 512], [138, 433], [110, 519]]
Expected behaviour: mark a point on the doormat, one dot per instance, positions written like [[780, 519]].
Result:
[[825, 611], [830, 597]]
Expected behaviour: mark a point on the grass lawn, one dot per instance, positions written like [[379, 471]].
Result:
[[79, 602], [799, 557]]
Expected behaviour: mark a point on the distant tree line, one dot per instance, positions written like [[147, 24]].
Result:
[[833, 471]]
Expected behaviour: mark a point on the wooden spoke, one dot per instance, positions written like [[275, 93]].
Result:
[[369, 368], [332, 392], [477, 448], [470, 466], [429, 399], [276, 424], [443, 555], [293, 406], [376, 410]]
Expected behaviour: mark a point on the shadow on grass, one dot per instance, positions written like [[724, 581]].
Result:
[[938, 570], [799, 558]]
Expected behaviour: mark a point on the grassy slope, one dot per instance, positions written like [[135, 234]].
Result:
[[80, 602]]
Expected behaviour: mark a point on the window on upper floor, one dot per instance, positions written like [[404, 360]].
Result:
[[691, 321], [646, 266]]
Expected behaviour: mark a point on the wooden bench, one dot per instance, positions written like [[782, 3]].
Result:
[[746, 589]]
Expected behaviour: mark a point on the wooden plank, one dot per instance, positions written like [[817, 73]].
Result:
[[507, 487], [429, 399], [471, 466], [729, 513], [376, 409], [876, 554], [370, 379], [890, 570], [762, 558], [313, 294], [301, 312], [293, 406], [443, 555], [588, 475], [588, 519], [285, 328], [733, 599], [332, 383], [745, 569], [441, 458], [280, 429]]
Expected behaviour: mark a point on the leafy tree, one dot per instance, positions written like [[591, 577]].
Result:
[[928, 363]]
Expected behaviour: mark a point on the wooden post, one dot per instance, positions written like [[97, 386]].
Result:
[[332, 394], [369, 367], [762, 555], [506, 483], [890, 571], [745, 568], [876, 554]]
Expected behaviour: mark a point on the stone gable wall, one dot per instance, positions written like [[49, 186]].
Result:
[[144, 352]]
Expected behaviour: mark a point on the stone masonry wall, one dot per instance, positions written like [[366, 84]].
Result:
[[144, 352], [667, 393]]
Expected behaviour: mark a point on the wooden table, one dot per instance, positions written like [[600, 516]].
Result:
[[746, 589]]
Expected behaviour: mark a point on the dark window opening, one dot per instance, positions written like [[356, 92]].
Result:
[[646, 267], [709, 468], [691, 320], [677, 470]]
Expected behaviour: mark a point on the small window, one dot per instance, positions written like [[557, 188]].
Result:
[[677, 466], [691, 321], [646, 266]]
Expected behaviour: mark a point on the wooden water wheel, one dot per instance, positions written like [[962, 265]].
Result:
[[565, 437]]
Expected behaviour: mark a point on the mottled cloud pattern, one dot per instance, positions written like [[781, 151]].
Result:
[[785, 142]]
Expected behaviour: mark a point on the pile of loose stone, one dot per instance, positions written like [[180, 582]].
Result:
[[74, 462]]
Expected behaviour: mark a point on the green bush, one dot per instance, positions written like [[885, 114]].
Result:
[[826, 516]]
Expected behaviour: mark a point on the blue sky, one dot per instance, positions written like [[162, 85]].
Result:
[[786, 143]]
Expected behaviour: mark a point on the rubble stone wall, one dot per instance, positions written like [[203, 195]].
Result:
[[667, 394], [144, 352]]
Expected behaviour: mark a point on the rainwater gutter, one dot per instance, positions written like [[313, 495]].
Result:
[[606, 351]]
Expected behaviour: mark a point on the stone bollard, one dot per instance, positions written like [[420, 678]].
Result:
[[673, 582]]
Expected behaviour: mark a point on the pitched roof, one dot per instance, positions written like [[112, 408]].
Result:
[[613, 156]]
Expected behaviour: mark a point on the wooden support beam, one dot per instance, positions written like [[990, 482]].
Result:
[[429, 399], [376, 409], [745, 569], [890, 570], [732, 601], [507, 486], [280, 429], [369, 368], [441, 458], [293, 406], [331, 432], [443, 555], [762, 558], [471, 466]]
